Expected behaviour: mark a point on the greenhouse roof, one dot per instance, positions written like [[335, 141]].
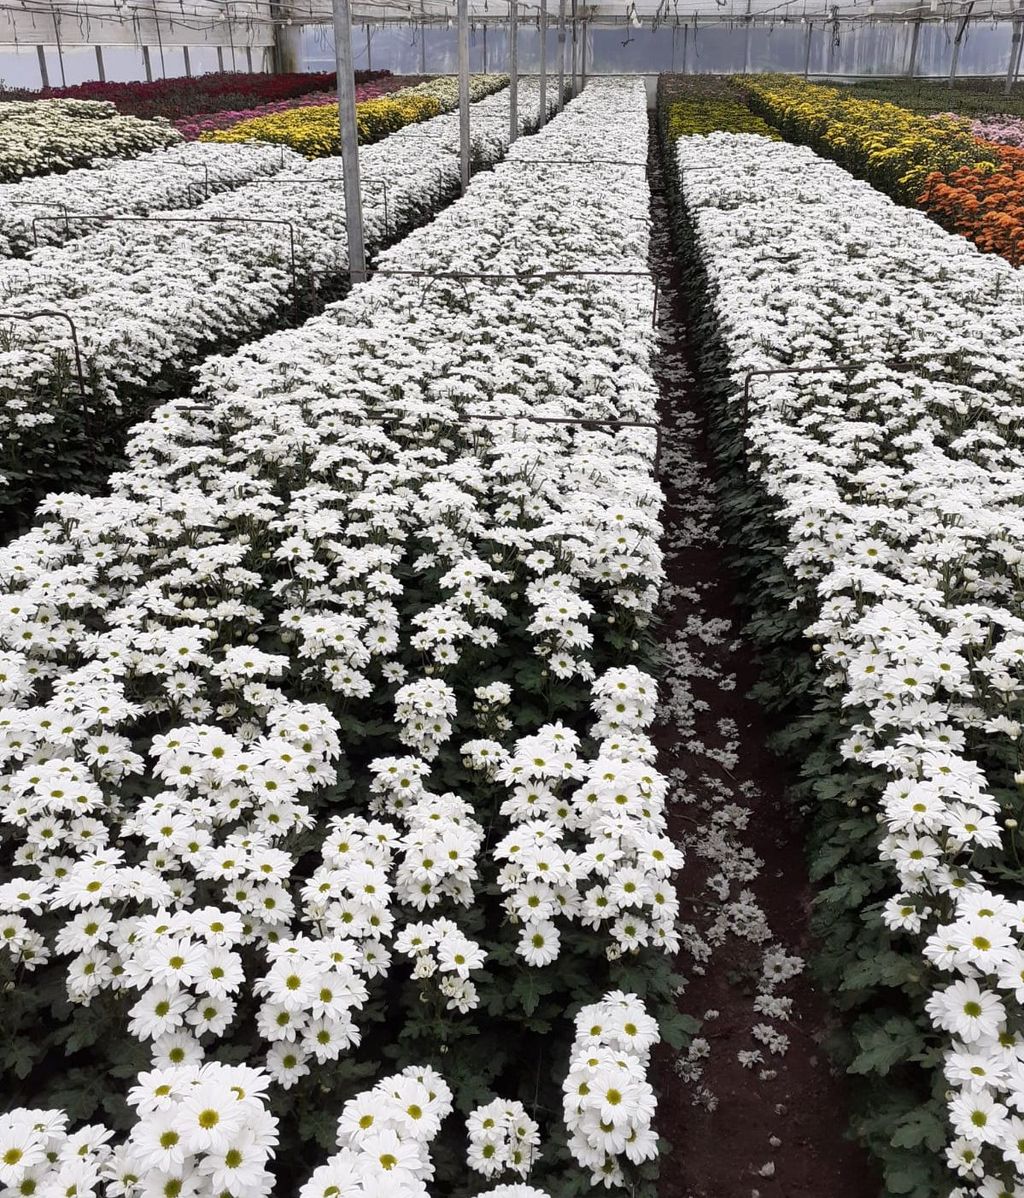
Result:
[[210, 13]]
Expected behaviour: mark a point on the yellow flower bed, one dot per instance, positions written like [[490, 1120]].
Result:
[[314, 131], [893, 148], [687, 118]]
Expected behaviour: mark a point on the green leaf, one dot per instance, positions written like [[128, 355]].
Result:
[[677, 1028], [921, 1126], [881, 1046]]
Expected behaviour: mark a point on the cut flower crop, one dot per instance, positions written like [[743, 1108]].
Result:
[[44, 136], [887, 485], [140, 301], [334, 636]]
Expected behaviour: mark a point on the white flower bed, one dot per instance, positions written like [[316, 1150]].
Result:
[[40, 211], [40, 136], [332, 548], [608, 1103], [149, 298], [445, 90], [899, 485], [206, 1131]]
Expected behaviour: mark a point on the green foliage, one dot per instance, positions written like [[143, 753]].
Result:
[[882, 1045], [969, 97]]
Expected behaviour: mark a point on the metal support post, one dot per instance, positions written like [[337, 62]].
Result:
[[542, 114], [573, 90], [1015, 45], [513, 70], [464, 92], [915, 37], [958, 41], [583, 55], [349, 132], [746, 41], [561, 53]]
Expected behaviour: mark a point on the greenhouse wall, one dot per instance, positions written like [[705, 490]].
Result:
[[855, 50], [145, 49]]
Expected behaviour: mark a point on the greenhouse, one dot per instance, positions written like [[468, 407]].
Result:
[[511, 599]]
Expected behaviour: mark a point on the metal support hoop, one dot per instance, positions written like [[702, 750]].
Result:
[[187, 220], [278, 180], [45, 204], [585, 422], [462, 277], [74, 339], [198, 166], [830, 368]]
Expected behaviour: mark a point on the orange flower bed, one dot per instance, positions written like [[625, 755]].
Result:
[[985, 205]]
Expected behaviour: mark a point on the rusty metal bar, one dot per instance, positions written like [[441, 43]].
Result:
[[572, 162]]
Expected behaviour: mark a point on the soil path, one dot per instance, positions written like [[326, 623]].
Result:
[[754, 1110]]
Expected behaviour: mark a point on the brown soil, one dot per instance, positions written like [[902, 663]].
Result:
[[795, 1122]]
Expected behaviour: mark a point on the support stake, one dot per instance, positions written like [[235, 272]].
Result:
[[464, 93], [958, 41], [513, 71], [746, 41], [1015, 44], [349, 132], [583, 55], [561, 54], [542, 115], [914, 38], [573, 91]]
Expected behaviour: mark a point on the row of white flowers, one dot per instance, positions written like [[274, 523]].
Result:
[[146, 298], [897, 472], [48, 210], [205, 1131], [341, 517], [445, 89], [39, 136]]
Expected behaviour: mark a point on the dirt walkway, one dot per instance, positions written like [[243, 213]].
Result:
[[753, 1111]]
